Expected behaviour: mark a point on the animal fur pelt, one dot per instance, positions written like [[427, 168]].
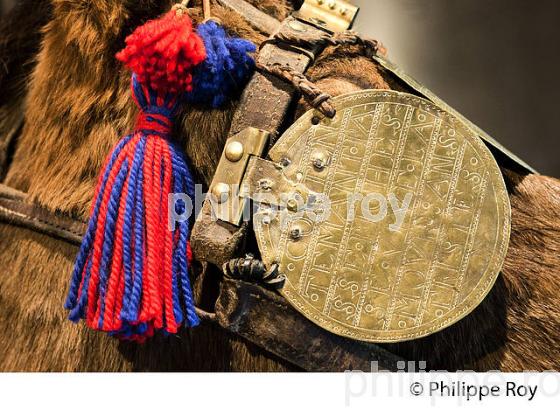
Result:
[[19, 44], [78, 104]]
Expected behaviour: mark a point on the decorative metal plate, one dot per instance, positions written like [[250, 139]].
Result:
[[429, 95], [351, 267]]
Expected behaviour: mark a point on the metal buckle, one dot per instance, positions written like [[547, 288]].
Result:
[[227, 203], [332, 15]]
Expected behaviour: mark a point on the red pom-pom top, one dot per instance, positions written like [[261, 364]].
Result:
[[163, 52]]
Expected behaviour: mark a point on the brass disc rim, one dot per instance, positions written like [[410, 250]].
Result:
[[493, 267]]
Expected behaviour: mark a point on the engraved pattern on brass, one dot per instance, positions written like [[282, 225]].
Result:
[[359, 278], [428, 94]]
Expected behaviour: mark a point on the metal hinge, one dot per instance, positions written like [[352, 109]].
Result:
[[228, 204], [332, 15]]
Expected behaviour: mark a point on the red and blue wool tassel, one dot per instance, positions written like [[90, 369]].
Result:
[[131, 276]]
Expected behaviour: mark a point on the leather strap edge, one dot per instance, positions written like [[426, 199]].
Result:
[[268, 321], [258, 19], [15, 210]]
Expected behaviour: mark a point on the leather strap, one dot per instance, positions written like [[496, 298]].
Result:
[[255, 314], [259, 20], [249, 311], [264, 105], [268, 321], [15, 210]]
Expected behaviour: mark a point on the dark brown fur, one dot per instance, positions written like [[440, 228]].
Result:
[[19, 44], [78, 104]]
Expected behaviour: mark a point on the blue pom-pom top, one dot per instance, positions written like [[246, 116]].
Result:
[[226, 70]]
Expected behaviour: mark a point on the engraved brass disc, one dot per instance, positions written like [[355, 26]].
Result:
[[423, 238]]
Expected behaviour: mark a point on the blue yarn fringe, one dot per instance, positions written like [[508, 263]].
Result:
[[134, 229], [226, 70]]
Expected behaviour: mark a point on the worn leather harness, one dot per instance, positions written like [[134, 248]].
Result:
[[248, 310], [244, 309]]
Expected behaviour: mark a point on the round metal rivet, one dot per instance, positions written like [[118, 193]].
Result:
[[221, 192], [296, 233], [234, 151], [292, 204], [320, 160], [265, 184]]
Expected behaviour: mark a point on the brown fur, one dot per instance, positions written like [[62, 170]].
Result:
[[78, 104], [19, 43]]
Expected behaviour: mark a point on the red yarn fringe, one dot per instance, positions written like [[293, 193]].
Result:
[[163, 52]]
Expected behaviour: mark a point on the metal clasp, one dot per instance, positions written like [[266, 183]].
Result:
[[226, 200], [332, 15]]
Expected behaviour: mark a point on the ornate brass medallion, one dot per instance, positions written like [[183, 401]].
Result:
[[396, 218]]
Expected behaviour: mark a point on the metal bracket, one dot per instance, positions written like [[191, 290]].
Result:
[[332, 15], [227, 202]]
